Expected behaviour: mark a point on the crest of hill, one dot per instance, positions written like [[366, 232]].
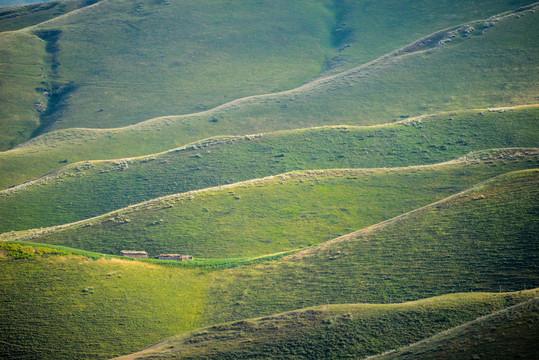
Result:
[[15, 17], [450, 77], [278, 213], [481, 240], [340, 331], [506, 334], [88, 189]]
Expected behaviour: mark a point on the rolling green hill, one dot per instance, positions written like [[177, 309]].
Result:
[[507, 334], [209, 53], [483, 239], [85, 190], [353, 178], [18, 17], [279, 213], [345, 331], [492, 68]]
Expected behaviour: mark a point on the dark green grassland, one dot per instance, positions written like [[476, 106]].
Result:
[[85, 190], [338, 331], [352, 176], [481, 240], [507, 334], [496, 67], [281, 213]]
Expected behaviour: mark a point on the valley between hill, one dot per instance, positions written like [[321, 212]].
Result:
[[354, 178]]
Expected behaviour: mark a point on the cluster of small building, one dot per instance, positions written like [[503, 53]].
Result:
[[144, 255]]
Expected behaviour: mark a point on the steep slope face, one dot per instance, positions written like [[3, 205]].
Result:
[[488, 68], [280, 213], [506, 334], [484, 239], [85, 190], [336, 331]]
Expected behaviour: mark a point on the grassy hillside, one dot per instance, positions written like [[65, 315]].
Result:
[[507, 334], [482, 240], [107, 186], [381, 92], [335, 331], [84, 190], [18, 2], [23, 82], [18, 17], [65, 307], [279, 213], [210, 53]]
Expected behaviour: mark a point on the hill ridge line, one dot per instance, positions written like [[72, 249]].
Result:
[[395, 54], [456, 328], [33, 233], [354, 235], [217, 140]]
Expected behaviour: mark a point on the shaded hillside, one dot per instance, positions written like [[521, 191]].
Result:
[[279, 213], [481, 240], [507, 334], [470, 71], [336, 331], [84, 190], [19, 17]]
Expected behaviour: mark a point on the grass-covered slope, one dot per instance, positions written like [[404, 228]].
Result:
[[484, 239], [209, 53], [84, 190], [23, 76], [336, 331], [18, 17], [279, 213], [486, 68], [507, 334], [189, 55], [65, 307]]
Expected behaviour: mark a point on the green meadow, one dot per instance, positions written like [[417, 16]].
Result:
[[84, 190], [485, 69], [279, 213], [345, 331], [507, 334], [480, 240], [192, 55], [353, 178]]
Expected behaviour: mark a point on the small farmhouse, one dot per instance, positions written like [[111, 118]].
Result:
[[177, 257], [135, 254]]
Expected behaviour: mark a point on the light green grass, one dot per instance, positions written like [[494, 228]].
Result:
[[494, 68], [85, 190], [507, 334], [61, 307], [336, 331], [280, 213]]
